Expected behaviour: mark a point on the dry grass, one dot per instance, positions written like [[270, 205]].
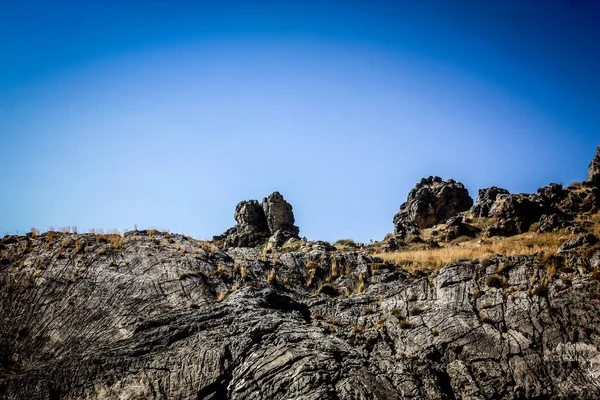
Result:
[[271, 277], [429, 260]]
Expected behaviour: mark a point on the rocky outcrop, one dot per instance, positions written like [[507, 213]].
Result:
[[272, 221], [514, 214], [279, 213], [156, 315], [594, 169], [485, 201], [430, 202]]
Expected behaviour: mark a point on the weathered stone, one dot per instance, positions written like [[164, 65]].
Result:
[[594, 169], [551, 223], [578, 242], [257, 222], [115, 322], [430, 202], [485, 201], [279, 214]]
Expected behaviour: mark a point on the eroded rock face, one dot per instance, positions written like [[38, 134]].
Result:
[[430, 202], [594, 169], [112, 321]]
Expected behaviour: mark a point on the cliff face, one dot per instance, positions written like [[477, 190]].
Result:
[[154, 315]]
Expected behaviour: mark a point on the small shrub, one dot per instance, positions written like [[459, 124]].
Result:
[[360, 286], [495, 281], [271, 277], [357, 329], [328, 290], [346, 242], [396, 312], [222, 296], [416, 310], [380, 323], [318, 317], [405, 324], [337, 322], [541, 290], [435, 332], [369, 310]]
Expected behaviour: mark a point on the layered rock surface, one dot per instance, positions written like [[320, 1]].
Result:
[[165, 316]]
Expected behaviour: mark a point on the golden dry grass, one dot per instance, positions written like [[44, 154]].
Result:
[[429, 260]]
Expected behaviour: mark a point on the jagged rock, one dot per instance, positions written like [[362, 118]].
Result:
[[250, 217], [552, 194], [430, 202], [551, 223], [455, 227], [594, 169], [279, 214], [508, 227], [256, 223], [581, 198], [280, 237], [485, 201], [578, 243], [390, 245], [113, 322], [515, 214]]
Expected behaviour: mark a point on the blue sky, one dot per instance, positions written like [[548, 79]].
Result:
[[167, 114]]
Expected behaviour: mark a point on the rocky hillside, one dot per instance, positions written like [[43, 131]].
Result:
[[496, 300]]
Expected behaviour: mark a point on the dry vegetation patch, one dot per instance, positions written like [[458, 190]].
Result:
[[427, 260]]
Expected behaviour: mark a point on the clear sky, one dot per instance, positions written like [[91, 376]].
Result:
[[167, 114]]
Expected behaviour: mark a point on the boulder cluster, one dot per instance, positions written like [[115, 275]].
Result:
[[443, 205], [272, 220]]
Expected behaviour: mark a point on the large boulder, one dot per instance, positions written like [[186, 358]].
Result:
[[279, 214], [431, 202], [250, 217], [485, 200], [594, 169]]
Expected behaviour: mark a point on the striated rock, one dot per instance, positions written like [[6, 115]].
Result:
[[594, 169], [485, 200], [112, 321], [430, 202]]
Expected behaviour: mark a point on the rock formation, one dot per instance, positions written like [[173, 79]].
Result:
[[272, 220], [430, 202], [485, 200], [594, 169], [165, 316]]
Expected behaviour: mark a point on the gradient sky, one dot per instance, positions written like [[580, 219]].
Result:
[[167, 114]]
